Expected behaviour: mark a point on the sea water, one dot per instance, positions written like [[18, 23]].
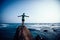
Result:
[[8, 30]]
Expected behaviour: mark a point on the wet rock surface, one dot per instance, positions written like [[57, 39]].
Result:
[[22, 33]]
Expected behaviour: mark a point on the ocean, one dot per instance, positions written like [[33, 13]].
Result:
[[8, 30]]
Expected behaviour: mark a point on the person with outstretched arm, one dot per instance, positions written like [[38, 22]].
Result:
[[23, 16]]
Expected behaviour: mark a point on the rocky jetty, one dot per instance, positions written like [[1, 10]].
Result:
[[22, 33]]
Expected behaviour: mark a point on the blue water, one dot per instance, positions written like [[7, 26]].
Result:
[[7, 30]]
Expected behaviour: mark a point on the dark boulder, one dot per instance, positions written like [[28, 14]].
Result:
[[22, 33]]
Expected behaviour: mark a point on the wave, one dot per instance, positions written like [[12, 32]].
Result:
[[4, 25]]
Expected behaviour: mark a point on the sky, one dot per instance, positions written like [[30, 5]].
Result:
[[39, 11]]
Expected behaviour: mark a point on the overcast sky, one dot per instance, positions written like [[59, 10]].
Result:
[[39, 11]]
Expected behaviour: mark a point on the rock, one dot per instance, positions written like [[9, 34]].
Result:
[[39, 38], [45, 30], [22, 33]]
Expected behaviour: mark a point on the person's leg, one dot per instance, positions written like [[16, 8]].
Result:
[[23, 23]]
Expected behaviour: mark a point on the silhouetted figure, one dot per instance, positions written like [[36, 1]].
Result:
[[23, 18]]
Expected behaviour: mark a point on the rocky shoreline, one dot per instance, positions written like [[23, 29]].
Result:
[[22, 33]]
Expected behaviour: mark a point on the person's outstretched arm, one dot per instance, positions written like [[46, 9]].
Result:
[[26, 16], [20, 16]]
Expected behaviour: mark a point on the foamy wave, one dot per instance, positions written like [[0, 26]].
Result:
[[37, 27], [4, 25]]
